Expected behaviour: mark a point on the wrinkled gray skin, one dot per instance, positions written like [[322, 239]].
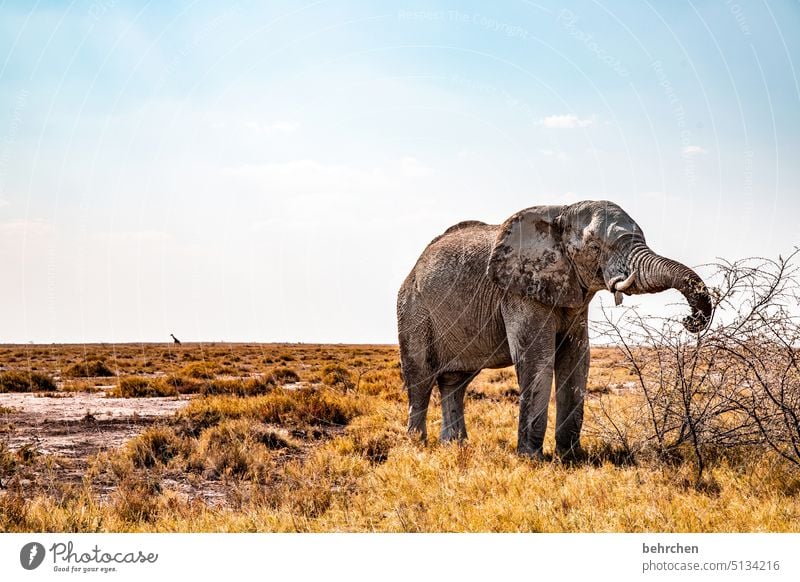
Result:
[[489, 296]]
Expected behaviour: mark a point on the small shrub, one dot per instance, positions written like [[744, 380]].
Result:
[[88, 369], [138, 387], [232, 448], [223, 407], [182, 384], [284, 375], [8, 460], [312, 500], [27, 453], [193, 420], [386, 383], [272, 439], [258, 386], [136, 499], [156, 445], [13, 511], [309, 406], [375, 447], [248, 387], [306, 406], [201, 370], [373, 438], [218, 387], [25, 381], [338, 376]]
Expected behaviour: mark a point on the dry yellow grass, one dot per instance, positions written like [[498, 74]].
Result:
[[335, 458]]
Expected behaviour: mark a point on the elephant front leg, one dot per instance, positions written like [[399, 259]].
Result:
[[572, 371], [533, 354], [534, 400]]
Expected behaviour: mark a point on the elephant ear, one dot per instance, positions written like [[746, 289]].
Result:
[[528, 258]]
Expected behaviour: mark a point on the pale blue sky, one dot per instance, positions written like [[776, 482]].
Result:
[[271, 171]]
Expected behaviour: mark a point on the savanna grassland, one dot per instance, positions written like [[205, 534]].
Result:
[[278, 437]]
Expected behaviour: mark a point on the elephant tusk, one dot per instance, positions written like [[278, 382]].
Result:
[[613, 283], [624, 285], [617, 298]]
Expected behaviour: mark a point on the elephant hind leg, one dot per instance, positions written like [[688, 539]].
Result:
[[419, 395], [418, 378], [453, 387]]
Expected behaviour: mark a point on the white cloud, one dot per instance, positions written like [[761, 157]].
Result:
[[691, 150], [567, 121]]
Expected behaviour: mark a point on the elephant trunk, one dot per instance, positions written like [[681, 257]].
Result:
[[651, 273]]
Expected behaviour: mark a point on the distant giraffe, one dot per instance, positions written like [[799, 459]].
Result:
[[175, 340]]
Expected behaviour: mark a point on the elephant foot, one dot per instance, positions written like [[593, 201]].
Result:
[[417, 436], [454, 434], [531, 453], [453, 437], [572, 454]]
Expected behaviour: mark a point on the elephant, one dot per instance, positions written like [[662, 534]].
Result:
[[491, 296]]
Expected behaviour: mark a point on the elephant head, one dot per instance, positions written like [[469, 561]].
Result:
[[562, 255]]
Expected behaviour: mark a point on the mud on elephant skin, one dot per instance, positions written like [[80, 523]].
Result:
[[489, 296]]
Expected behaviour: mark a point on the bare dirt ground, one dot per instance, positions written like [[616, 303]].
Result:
[[78, 425], [71, 427]]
